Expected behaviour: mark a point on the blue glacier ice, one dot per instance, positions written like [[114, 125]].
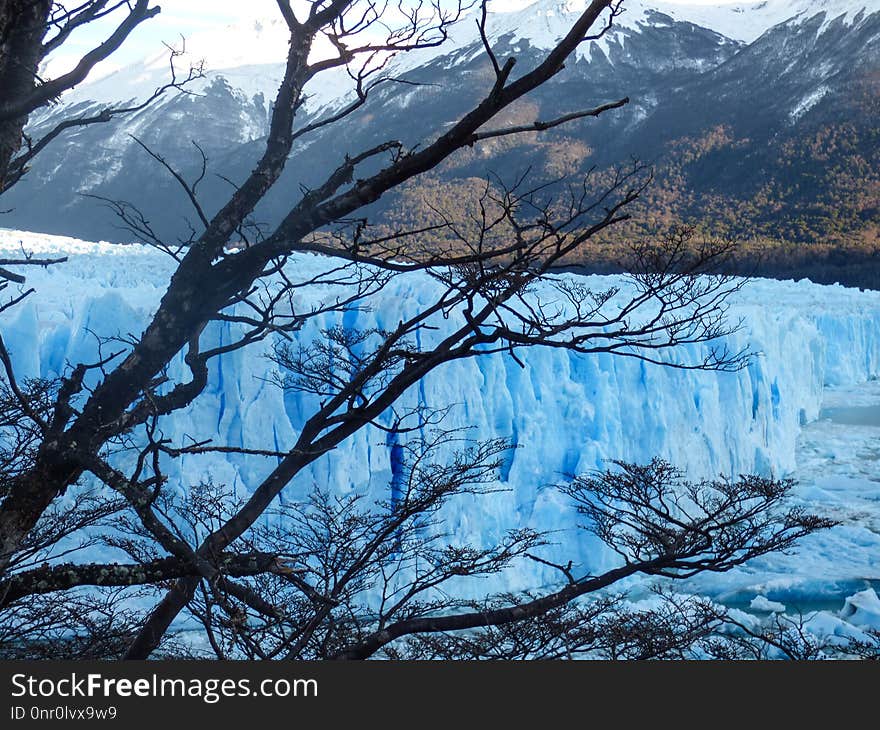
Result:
[[566, 413]]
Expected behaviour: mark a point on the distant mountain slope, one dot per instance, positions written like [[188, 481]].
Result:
[[761, 121]]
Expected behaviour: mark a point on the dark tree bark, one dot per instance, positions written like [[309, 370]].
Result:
[[66, 576], [22, 27]]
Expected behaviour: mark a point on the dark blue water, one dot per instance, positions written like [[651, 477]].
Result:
[[853, 415]]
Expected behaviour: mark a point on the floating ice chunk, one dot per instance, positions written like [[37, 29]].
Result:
[[862, 609], [762, 603]]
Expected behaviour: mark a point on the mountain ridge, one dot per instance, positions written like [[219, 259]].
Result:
[[259, 39]]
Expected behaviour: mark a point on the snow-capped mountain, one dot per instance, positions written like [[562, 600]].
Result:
[[723, 99], [260, 43]]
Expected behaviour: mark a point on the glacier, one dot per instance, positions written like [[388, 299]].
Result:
[[566, 413]]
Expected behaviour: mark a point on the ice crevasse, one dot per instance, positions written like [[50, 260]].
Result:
[[567, 413]]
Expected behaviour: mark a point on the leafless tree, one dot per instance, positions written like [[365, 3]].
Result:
[[333, 577]]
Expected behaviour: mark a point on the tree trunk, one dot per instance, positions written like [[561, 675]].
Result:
[[22, 28]]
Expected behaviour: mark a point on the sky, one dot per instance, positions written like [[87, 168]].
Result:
[[188, 17]]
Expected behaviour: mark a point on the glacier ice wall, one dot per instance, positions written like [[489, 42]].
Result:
[[567, 413]]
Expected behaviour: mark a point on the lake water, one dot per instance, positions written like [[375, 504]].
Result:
[[852, 415]]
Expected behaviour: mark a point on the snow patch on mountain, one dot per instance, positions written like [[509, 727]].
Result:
[[748, 21], [808, 102]]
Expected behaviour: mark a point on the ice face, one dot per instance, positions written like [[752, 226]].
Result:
[[566, 413]]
